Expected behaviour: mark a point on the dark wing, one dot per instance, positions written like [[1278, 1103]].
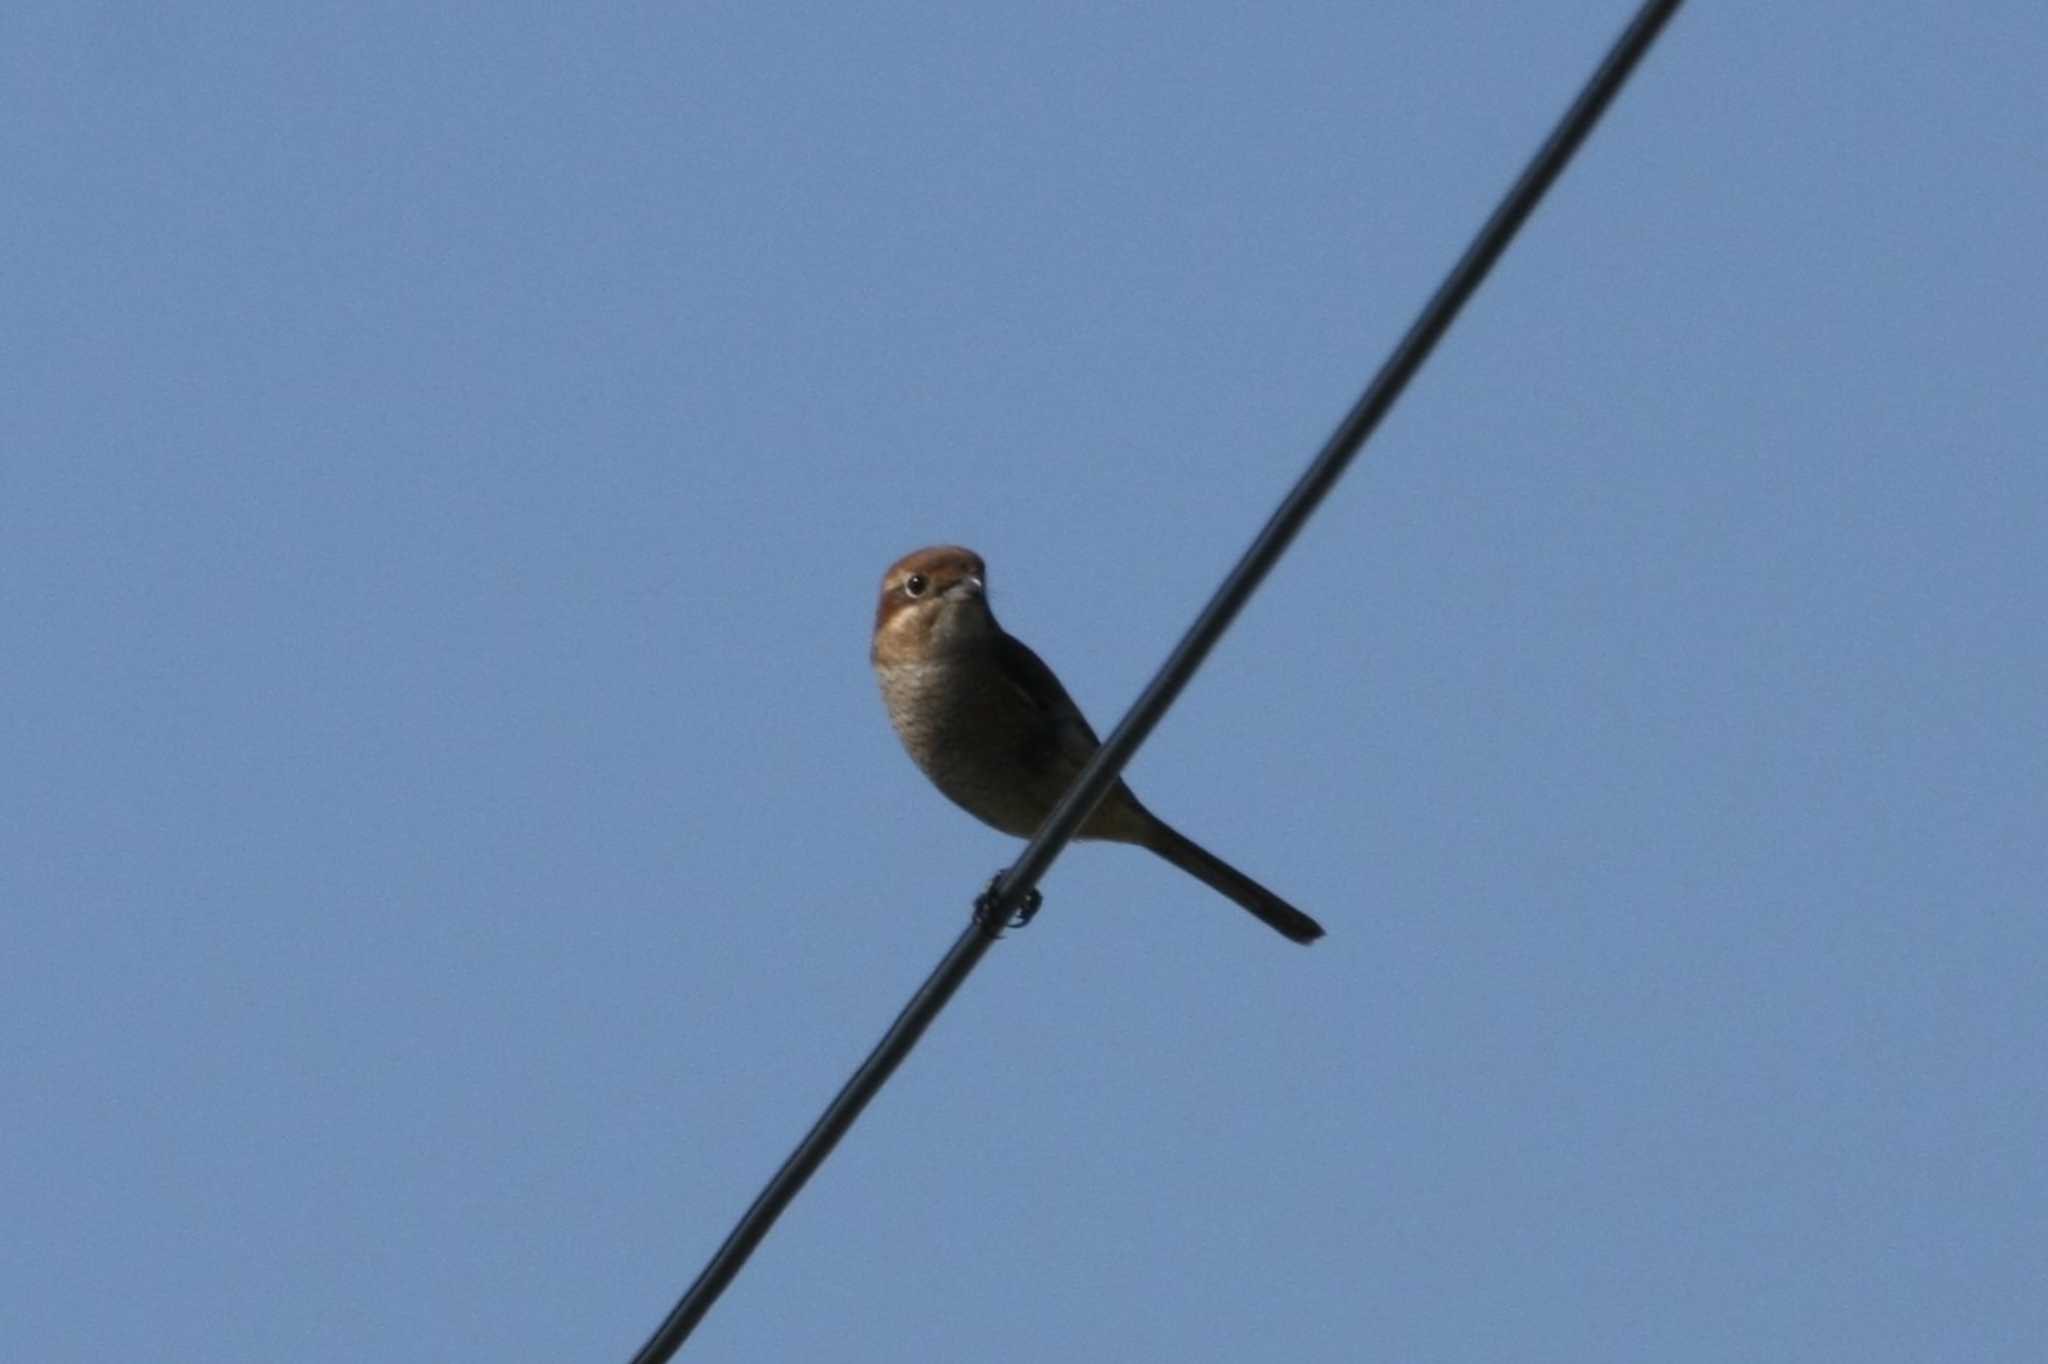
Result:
[[1025, 673]]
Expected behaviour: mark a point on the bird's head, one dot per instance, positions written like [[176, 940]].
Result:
[[932, 600]]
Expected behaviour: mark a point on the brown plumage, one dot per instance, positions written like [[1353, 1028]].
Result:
[[991, 725]]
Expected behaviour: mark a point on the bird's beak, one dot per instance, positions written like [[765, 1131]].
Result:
[[969, 586]]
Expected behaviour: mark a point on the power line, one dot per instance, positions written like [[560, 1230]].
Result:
[[1015, 889]]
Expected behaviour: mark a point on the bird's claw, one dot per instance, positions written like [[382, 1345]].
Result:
[[1027, 908], [985, 908]]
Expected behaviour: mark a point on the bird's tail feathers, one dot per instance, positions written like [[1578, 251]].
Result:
[[1205, 866]]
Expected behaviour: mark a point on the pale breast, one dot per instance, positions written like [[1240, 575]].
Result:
[[970, 736]]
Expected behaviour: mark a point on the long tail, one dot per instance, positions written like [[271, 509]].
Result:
[[1198, 862]]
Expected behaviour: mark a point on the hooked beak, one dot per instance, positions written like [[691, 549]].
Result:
[[969, 586]]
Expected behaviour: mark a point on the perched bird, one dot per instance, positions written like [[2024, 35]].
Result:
[[997, 733]]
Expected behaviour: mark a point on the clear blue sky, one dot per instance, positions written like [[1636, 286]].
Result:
[[451, 845]]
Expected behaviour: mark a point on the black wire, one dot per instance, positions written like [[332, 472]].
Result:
[[1336, 455], [1015, 887], [810, 1153]]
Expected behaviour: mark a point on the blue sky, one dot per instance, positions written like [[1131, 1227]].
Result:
[[451, 845]]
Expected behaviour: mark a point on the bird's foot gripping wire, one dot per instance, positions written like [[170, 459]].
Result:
[[991, 920]]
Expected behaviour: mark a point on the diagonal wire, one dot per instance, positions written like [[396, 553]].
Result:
[[1015, 888]]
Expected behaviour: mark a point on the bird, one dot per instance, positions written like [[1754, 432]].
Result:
[[989, 723]]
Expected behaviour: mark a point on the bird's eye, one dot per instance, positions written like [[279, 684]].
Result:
[[915, 584]]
